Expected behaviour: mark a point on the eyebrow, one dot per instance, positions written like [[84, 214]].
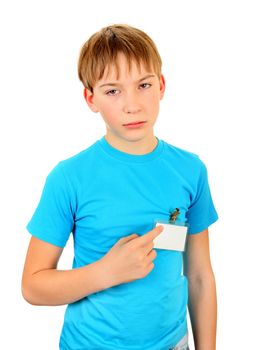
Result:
[[138, 81]]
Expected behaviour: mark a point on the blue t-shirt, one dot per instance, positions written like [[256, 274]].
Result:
[[103, 194]]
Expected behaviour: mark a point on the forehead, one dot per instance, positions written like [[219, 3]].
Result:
[[123, 68]]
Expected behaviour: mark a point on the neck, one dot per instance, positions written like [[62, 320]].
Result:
[[136, 147]]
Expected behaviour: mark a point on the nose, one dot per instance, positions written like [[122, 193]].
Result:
[[131, 103]]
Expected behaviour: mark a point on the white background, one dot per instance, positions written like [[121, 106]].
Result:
[[209, 60]]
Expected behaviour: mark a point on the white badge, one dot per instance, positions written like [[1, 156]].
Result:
[[173, 237]]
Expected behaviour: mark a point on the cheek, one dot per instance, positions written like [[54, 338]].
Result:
[[153, 95], [152, 101], [109, 111]]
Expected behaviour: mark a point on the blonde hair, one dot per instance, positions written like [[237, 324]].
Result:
[[102, 48]]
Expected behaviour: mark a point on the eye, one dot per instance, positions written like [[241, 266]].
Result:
[[112, 92], [145, 85]]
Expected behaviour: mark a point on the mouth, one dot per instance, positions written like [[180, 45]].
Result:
[[135, 123]]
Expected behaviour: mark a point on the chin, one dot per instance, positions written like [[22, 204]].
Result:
[[135, 138]]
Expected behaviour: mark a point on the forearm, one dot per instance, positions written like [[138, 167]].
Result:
[[202, 305], [59, 287]]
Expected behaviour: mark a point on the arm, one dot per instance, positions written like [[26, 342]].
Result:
[[43, 284], [202, 300]]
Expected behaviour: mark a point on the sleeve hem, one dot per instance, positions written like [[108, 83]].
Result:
[[201, 227], [45, 237]]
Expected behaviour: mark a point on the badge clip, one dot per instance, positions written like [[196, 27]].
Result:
[[174, 215]]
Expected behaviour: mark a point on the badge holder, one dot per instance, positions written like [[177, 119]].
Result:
[[174, 234]]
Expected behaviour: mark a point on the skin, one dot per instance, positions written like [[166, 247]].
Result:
[[129, 259], [128, 100], [202, 298], [135, 96], [123, 101]]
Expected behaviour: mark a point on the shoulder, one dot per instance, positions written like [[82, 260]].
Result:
[[183, 159], [75, 161], [80, 161], [76, 167]]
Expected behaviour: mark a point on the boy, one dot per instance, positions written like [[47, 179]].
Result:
[[109, 196]]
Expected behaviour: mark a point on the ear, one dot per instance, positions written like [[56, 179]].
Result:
[[89, 97], [162, 86]]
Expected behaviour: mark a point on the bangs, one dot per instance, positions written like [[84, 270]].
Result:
[[100, 53], [103, 66]]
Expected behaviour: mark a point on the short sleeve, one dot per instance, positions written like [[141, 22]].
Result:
[[53, 219], [201, 212]]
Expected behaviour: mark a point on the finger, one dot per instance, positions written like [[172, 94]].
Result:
[[152, 255], [151, 235], [126, 239], [147, 248]]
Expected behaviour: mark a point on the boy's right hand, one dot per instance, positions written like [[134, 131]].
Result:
[[130, 258]]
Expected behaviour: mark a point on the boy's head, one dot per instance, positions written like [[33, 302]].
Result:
[[120, 68], [103, 47]]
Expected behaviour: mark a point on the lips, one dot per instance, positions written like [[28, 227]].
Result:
[[134, 123]]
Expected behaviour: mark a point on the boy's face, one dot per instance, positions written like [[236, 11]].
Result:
[[134, 97]]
